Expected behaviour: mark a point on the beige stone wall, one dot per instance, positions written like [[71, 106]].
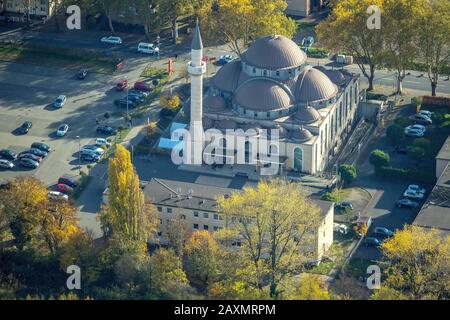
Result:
[[298, 7]]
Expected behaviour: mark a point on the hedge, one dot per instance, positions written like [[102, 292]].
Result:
[[397, 174]]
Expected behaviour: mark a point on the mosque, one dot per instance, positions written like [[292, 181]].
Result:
[[270, 86]]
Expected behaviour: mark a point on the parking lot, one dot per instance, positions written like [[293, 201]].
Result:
[[27, 93]]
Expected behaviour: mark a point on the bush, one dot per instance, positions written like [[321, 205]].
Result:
[[396, 134], [402, 121], [422, 143], [416, 153], [348, 173], [399, 174], [378, 158], [437, 118], [416, 101]]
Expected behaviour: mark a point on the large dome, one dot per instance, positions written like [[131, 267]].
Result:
[[226, 79], [313, 85], [274, 53], [262, 95]]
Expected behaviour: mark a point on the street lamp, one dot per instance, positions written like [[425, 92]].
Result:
[[79, 155]]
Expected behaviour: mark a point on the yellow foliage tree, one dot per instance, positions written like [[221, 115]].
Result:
[[127, 213], [311, 287], [171, 102]]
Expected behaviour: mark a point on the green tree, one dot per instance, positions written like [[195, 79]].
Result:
[[416, 153], [378, 158], [274, 223], [345, 31], [348, 173], [396, 134], [423, 143], [127, 213]]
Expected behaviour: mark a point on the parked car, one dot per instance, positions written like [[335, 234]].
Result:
[[64, 188], [106, 130], [142, 86], [423, 119], [37, 152], [111, 40], [416, 127], [149, 48], [416, 188], [8, 154], [89, 156], [414, 133], [5, 164], [93, 148], [413, 195], [123, 103], [121, 85], [135, 98], [426, 113], [56, 195], [62, 130], [406, 203], [340, 228], [344, 205], [224, 59], [372, 241], [102, 142], [82, 74], [60, 101], [68, 180], [28, 155], [29, 163], [25, 127], [382, 231], [41, 146], [142, 94]]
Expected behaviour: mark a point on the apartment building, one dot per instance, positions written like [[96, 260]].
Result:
[[303, 8], [196, 205], [38, 9]]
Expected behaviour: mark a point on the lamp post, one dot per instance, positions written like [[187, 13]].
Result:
[[79, 155]]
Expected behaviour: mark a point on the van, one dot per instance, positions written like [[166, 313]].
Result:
[[144, 47]]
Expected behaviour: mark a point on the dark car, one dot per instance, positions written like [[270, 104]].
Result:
[[138, 93], [29, 163], [82, 74], [135, 98], [8, 154], [38, 152], [344, 205], [28, 155], [68, 180], [142, 86], [41, 146], [91, 157], [123, 103], [372, 241], [407, 203], [106, 130], [25, 127]]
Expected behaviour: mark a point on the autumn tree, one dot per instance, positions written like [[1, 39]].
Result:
[[346, 31], [417, 265], [171, 102], [309, 287], [200, 256], [110, 8], [275, 224], [127, 214], [434, 39], [177, 233], [239, 22], [145, 12]]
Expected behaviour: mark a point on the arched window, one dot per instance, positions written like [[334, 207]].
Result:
[[265, 72], [298, 159], [248, 152]]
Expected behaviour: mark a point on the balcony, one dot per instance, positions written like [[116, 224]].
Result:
[[197, 71]]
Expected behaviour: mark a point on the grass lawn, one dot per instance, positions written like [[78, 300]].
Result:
[[357, 267], [57, 58]]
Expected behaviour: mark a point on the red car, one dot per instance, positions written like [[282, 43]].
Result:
[[29, 156], [122, 85], [64, 188], [142, 86]]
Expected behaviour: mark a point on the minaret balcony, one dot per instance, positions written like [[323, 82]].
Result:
[[196, 70]]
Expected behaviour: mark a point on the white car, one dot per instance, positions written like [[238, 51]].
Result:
[[416, 127], [60, 101], [426, 113], [413, 195], [56, 195], [102, 142], [423, 119], [62, 130], [111, 40], [340, 228], [414, 133], [5, 164], [144, 47], [93, 149], [416, 188]]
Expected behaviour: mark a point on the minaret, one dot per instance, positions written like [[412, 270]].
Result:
[[196, 68]]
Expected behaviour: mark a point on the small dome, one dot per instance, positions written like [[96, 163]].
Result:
[[336, 76], [274, 53], [313, 85], [208, 123], [263, 95], [226, 79], [216, 103], [301, 135], [307, 115], [226, 124]]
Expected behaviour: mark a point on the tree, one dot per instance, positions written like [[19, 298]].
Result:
[[417, 265], [200, 256], [416, 153], [145, 12], [110, 8], [422, 143], [127, 213], [345, 31], [396, 134], [171, 102], [310, 287], [434, 39], [177, 233], [239, 22], [348, 173], [378, 158], [401, 24], [274, 223]]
